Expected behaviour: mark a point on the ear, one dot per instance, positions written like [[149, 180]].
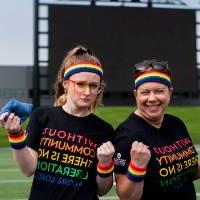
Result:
[[65, 84], [171, 90], [135, 93]]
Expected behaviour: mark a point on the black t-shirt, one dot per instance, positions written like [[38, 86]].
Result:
[[173, 162], [66, 147]]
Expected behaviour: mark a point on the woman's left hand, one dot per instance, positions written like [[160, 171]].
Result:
[[105, 153]]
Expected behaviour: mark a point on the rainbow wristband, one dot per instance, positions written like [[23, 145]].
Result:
[[135, 174], [105, 170], [17, 141]]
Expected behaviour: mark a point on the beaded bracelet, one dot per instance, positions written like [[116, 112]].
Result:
[[17, 140], [136, 174], [105, 170]]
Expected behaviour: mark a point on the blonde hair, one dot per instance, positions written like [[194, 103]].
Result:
[[71, 59]]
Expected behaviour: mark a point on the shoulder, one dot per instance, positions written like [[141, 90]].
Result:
[[131, 124], [104, 124], [132, 128], [43, 112], [172, 119], [45, 109]]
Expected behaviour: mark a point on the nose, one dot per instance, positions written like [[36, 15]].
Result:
[[152, 96], [87, 89]]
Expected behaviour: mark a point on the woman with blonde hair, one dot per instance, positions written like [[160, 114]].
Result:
[[67, 147]]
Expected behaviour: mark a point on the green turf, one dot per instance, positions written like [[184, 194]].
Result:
[[114, 115], [14, 185], [190, 115]]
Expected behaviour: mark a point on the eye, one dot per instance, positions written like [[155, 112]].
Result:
[[159, 91], [93, 86], [144, 92], [81, 84]]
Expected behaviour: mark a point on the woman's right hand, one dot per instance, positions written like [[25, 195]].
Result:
[[10, 122], [140, 154]]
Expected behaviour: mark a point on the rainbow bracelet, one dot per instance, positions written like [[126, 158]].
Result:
[[105, 170], [17, 140], [135, 174]]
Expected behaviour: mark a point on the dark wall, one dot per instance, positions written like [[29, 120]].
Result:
[[122, 36]]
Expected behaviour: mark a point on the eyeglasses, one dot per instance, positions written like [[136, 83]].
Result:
[[82, 51], [152, 66], [81, 86]]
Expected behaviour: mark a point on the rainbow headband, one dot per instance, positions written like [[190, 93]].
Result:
[[83, 67], [154, 76]]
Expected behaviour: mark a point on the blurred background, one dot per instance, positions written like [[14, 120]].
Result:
[[35, 36]]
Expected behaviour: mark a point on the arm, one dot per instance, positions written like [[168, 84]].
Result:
[[127, 189], [104, 154], [130, 187], [25, 157], [104, 184], [197, 176]]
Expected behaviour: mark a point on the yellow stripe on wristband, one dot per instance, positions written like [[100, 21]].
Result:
[[135, 172], [17, 139], [107, 171]]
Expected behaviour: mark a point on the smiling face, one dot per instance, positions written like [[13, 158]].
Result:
[[152, 99], [82, 89]]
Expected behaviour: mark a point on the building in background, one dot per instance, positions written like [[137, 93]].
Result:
[[17, 81]]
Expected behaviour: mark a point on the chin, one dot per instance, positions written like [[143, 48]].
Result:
[[154, 117], [85, 104]]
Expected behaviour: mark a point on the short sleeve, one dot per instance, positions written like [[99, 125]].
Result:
[[122, 145], [34, 128], [124, 137]]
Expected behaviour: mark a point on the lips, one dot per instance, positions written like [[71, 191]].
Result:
[[86, 100], [153, 107]]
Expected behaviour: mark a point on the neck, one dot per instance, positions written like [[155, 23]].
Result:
[[76, 111], [155, 123]]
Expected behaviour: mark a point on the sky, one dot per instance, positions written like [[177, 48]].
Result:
[[17, 31]]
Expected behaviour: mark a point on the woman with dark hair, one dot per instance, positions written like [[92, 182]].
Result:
[[155, 157], [66, 147]]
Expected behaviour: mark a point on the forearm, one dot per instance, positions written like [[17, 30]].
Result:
[[128, 190], [26, 159], [197, 176], [104, 184]]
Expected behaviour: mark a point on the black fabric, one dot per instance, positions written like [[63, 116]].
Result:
[[66, 146], [173, 162]]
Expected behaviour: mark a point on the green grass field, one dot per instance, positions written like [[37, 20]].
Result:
[[15, 186]]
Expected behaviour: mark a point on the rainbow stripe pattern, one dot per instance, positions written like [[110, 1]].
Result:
[[135, 174], [17, 141], [83, 67], [105, 171], [153, 76]]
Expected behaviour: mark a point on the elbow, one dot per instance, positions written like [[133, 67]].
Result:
[[100, 194], [126, 196], [123, 196], [104, 191], [28, 172]]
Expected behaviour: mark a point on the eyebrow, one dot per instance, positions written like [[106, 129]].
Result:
[[153, 89], [82, 81]]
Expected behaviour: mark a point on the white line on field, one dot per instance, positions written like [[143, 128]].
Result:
[[15, 181], [104, 198], [15, 199], [9, 170]]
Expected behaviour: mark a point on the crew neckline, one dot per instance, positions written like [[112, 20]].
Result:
[[148, 124], [74, 116]]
